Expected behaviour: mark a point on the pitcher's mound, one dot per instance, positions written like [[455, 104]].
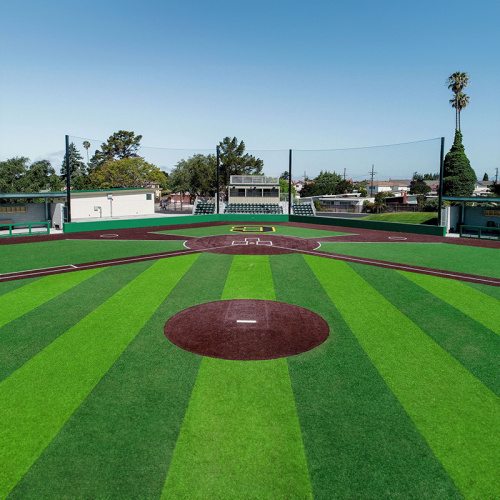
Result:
[[246, 329]]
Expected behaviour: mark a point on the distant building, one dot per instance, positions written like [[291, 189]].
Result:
[[253, 189]]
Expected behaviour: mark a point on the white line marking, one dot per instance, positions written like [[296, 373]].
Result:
[[246, 321]]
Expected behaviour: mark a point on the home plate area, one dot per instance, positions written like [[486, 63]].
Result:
[[235, 244]]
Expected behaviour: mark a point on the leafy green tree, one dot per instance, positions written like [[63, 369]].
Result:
[[39, 176], [457, 82], [495, 188], [327, 182], [310, 189], [11, 171], [344, 186], [380, 197], [284, 186], [418, 186], [126, 173], [363, 192], [196, 175], [77, 167], [120, 145], [284, 175], [234, 161], [458, 176], [485, 177]]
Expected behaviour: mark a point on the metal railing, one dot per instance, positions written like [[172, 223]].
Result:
[[25, 225]]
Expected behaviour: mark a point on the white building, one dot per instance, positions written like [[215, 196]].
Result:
[[112, 203]]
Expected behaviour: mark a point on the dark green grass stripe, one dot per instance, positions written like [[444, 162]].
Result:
[[458, 416], [464, 259], [359, 441], [9, 286], [492, 291], [472, 344], [24, 337], [26, 256], [39, 398], [477, 305], [119, 442], [22, 300]]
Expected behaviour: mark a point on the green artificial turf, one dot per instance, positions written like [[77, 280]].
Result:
[[26, 256], [226, 229], [457, 414], [460, 258], [359, 441], [119, 442], [41, 396], [22, 300], [406, 217], [241, 426], [492, 291], [24, 337], [479, 306], [471, 343], [9, 286]]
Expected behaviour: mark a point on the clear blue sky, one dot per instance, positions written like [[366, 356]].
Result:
[[276, 74]]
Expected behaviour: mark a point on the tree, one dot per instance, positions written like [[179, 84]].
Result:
[[310, 189], [86, 145], [344, 186], [485, 177], [327, 182], [234, 160], [284, 175], [127, 173], [284, 187], [362, 192], [495, 188], [458, 176], [11, 171], [120, 145], [418, 186], [197, 175], [76, 167], [457, 82], [380, 200]]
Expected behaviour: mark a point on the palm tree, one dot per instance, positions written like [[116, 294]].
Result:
[[457, 82], [86, 145]]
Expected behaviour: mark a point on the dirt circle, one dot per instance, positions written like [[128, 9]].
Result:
[[246, 329], [251, 244]]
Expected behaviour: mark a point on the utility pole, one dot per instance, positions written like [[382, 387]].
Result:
[[344, 173], [372, 173], [496, 175]]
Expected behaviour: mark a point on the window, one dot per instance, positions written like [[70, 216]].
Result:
[[149, 196]]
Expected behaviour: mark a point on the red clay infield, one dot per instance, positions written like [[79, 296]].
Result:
[[246, 329]]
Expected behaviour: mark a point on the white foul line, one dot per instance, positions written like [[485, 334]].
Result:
[[246, 321]]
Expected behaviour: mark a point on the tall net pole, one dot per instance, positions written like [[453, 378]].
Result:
[[218, 179], [290, 183], [68, 183], [441, 172]]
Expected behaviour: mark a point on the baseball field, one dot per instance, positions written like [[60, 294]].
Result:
[[113, 387]]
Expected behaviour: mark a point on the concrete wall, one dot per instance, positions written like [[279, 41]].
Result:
[[123, 203], [35, 212]]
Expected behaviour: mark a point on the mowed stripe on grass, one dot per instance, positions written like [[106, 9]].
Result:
[[24, 337], [479, 306], [471, 343], [22, 300], [120, 440], [458, 416], [241, 433], [359, 441], [39, 398]]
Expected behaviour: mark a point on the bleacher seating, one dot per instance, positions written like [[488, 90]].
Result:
[[204, 208], [253, 208], [302, 209]]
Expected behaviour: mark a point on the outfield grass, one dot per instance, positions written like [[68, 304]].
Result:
[[443, 256], [26, 256], [401, 401], [407, 217]]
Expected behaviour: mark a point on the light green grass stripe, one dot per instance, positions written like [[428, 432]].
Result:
[[40, 397], [250, 277], [240, 437], [22, 300], [479, 306], [458, 416]]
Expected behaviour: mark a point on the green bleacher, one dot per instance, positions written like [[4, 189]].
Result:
[[204, 208], [302, 209], [254, 208]]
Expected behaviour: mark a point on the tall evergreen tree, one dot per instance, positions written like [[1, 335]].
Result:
[[458, 176], [485, 177], [77, 168], [120, 145]]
